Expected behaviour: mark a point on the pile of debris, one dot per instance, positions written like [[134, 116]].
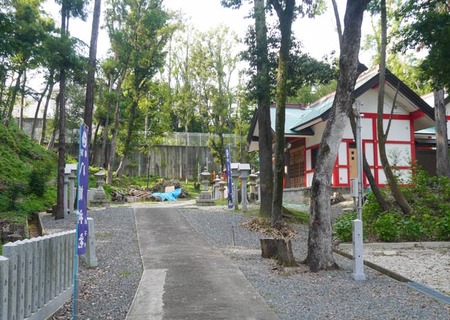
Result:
[[135, 194]]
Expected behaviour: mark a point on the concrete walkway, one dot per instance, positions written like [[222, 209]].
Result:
[[184, 278]]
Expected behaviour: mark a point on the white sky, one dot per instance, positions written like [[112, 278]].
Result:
[[317, 35]]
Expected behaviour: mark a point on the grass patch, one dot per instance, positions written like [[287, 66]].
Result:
[[103, 235], [125, 274], [296, 216]]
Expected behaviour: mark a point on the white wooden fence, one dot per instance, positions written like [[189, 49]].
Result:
[[36, 276]]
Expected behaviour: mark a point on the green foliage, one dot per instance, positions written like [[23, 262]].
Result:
[[410, 229], [343, 226], [14, 190], [426, 25], [386, 226], [38, 178], [443, 227], [430, 199], [25, 175], [372, 208]]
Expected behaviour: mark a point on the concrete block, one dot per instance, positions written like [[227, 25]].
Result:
[[20, 303], [10, 251], [34, 274], [53, 265], [47, 269], [28, 277], [4, 280], [57, 253], [90, 258], [41, 272]]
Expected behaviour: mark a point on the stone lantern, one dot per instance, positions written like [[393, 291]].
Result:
[[216, 194], [258, 187], [100, 176], [66, 190], [244, 170], [234, 176], [222, 185], [99, 197], [72, 168], [252, 183], [205, 198]]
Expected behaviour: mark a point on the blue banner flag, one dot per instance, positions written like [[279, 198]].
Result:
[[230, 183], [83, 172]]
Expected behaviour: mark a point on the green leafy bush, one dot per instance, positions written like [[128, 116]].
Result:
[[443, 227], [343, 226], [410, 229], [37, 182], [429, 198], [386, 226]]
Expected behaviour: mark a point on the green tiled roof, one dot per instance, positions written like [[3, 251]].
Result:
[[318, 108], [292, 115], [431, 130]]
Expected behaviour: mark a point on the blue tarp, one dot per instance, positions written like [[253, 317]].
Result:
[[169, 196]]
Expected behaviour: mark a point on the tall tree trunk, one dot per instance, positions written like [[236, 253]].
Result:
[[59, 214], [442, 156], [36, 114], [12, 98], [94, 147], [129, 137], [285, 17], [373, 185], [51, 143], [320, 254], [112, 149], [89, 108], [47, 103], [102, 160], [382, 136], [263, 97], [22, 99]]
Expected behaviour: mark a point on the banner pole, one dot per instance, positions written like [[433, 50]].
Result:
[[81, 234]]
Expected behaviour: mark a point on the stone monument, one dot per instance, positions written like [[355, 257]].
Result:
[[98, 197], [205, 198]]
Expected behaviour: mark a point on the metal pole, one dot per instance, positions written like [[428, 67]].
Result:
[[359, 153], [358, 257]]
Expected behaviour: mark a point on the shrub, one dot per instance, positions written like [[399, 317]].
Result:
[[410, 229], [36, 182], [443, 227], [371, 208], [343, 226], [386, 226]]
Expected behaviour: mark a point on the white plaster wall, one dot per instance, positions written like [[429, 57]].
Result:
[[308, 160], [404, 176], [343, 175], [309, 178], [368, 151], [399, 130], [317, 138], [367, 129], [343, 154], [369, 101], [348, 133], [388, 102], [398, 154], [381, 176]]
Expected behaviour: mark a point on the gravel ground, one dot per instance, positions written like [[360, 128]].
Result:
[[430, 267], [106, 292]]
